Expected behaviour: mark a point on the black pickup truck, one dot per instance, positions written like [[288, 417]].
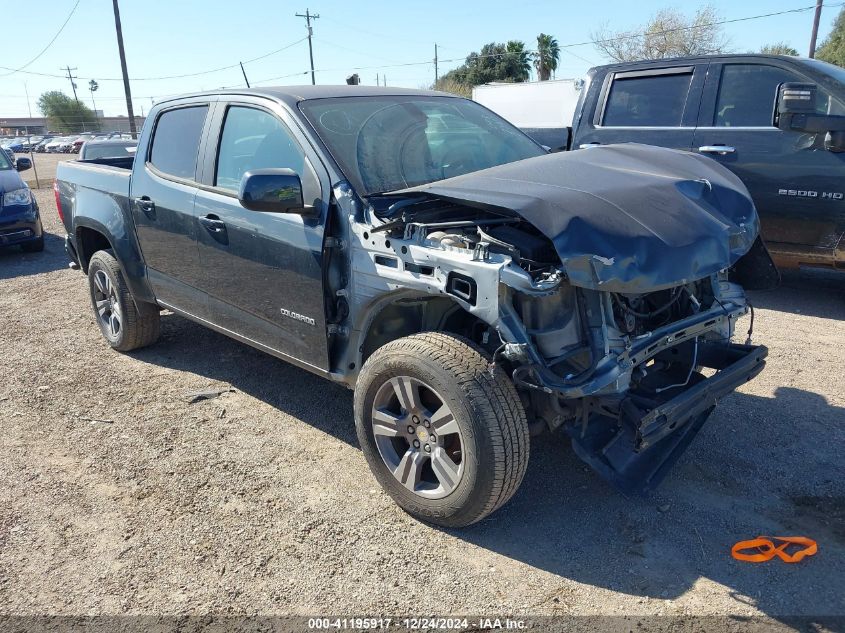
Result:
[[725, 107], [472, 288]]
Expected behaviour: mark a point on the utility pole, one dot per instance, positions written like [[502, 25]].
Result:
[[436, 74], [72, 82], [377, 80], [815, 34], [29, 139], [132, 130], [244, 72], [384, 80], [308, 17]]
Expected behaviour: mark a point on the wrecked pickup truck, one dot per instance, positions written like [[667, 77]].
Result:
[[472, 289]]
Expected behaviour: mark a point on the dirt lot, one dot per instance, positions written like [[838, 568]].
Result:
[[118, 496]]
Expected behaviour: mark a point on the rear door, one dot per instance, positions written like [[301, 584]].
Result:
[[796, 184], [163, 189], [654, 106], [262, 271]]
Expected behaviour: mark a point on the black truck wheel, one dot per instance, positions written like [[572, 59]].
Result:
[[446, 439], [125, 325]]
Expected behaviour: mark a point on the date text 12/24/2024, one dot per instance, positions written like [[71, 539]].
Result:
[[415, 624]]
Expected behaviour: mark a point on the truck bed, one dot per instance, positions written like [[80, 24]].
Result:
[[108, 178]]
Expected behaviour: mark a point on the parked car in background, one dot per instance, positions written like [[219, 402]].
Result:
[[111, 148], [726, 107], [77, 142], [42, 145], [60, 145], [20, 220], [16, 145], [412, 245]]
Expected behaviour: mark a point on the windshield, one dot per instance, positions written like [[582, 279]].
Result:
[[4, 160], [392, 142]]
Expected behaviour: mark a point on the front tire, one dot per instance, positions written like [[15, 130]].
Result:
[[125, 325], [445, 438]]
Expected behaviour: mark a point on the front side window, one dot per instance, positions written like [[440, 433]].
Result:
[[177, 140], [748, 93], [4, 160], [254, 139], [385, 143], [649, 101]]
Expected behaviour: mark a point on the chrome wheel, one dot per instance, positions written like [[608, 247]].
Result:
[[417, 437], [107, 305]]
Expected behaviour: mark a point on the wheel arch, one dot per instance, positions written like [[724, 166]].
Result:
[[92, 235], [404, 313]]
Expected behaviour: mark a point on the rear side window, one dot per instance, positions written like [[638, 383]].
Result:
[[654, 101], [177, 140]]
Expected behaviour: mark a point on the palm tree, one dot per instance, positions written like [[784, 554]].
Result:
[[519, 60], [546, 57]]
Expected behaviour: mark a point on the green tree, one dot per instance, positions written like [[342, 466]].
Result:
[[494, 62], [517, 61], [547, 56], [65, 114], [669, 34], [833, 48], [778, 48]]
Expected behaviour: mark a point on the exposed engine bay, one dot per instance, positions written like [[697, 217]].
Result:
[[625, 352]]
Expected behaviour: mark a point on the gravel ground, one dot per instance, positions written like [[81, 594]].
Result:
[[118, 496]]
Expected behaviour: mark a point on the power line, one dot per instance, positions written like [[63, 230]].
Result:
[[49, 44], [427, 62]]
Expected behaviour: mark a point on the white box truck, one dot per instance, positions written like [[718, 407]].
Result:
[[543, 109]]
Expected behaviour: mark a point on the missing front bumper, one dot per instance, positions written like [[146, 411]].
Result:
[[635, 451]]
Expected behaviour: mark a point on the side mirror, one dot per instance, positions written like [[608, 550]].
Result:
[[796, 102], [272, 190], [22, 164]]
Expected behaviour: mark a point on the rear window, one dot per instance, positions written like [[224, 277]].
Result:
[[653, 101], [177, 140]]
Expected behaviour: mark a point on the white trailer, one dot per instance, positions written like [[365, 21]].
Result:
[[536, 104]]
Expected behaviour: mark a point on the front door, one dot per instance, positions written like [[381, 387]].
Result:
[[262, 271], [795, 183]]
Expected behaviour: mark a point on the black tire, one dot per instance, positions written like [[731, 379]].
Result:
[[488, 411], [139, 324], [36, 246]]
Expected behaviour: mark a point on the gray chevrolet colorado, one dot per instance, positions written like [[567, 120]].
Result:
[[473, 289]]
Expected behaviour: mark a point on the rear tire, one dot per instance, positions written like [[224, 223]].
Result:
[[125, 325], [436, 390]]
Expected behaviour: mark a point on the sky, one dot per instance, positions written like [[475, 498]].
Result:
[[395, 40]]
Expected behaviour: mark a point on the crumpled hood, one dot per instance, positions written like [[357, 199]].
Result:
[[623, 218]]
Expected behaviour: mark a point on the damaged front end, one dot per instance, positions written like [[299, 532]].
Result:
[[602, 281]]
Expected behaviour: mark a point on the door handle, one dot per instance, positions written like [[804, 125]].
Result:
[[213, 224], [588, 145], [145, 204], [716, 149]]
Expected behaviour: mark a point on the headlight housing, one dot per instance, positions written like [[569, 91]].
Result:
[[17, 197]]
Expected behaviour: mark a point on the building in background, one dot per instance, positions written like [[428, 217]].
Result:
[[17, 126]]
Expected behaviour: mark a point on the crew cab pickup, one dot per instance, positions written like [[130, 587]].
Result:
[[725, 107], [469, 286]]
